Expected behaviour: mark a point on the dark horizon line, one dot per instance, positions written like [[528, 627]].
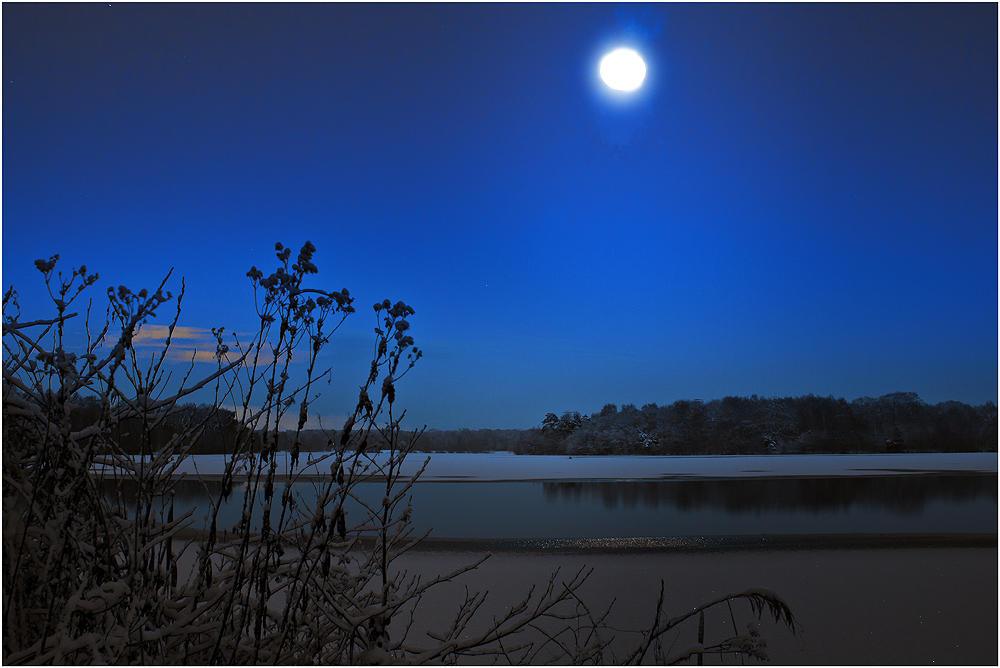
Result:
[[751, 397]]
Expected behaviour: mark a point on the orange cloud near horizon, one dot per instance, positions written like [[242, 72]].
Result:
[[186, 343]]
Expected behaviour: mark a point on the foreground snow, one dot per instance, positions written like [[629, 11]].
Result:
[[876, 607], [508, 466]]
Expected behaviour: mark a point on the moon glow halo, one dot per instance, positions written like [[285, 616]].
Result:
[[623, 69]]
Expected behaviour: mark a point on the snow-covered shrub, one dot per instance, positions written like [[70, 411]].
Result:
[[92, 547], [97, 566], [747, 644]]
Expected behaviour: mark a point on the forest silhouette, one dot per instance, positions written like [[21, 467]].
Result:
[[896, 422]]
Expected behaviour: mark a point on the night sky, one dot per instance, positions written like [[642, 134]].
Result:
[[799, 199]]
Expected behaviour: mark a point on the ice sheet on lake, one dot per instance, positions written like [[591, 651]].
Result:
[[507, 466]]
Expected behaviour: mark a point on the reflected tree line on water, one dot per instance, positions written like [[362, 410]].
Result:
[[904, 494], [900, 495], [897, 422]]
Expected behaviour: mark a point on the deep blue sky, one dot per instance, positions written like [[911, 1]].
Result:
[[800, 199]]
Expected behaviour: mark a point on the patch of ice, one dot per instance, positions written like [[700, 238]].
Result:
[[505, 466]]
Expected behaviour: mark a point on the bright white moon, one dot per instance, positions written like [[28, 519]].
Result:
[[623, 69]]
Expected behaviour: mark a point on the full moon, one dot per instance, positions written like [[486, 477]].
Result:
[[623, 69]]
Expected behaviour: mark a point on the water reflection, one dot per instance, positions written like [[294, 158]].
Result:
[[187, 491], [898, 494], [965, 503]]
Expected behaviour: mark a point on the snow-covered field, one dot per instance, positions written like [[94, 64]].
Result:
[[511, 467], [919, 606]]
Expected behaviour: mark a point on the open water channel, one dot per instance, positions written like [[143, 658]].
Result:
[[930, 503]]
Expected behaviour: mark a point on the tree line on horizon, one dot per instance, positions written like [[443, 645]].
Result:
[[896, 422]]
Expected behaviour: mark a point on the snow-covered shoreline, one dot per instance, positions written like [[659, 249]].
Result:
[[497, 467]]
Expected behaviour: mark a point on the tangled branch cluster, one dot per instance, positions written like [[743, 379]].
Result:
[[98, 567]]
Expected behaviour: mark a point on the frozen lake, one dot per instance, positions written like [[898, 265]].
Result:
[[505, 496], [884, 604], [507, 466]]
